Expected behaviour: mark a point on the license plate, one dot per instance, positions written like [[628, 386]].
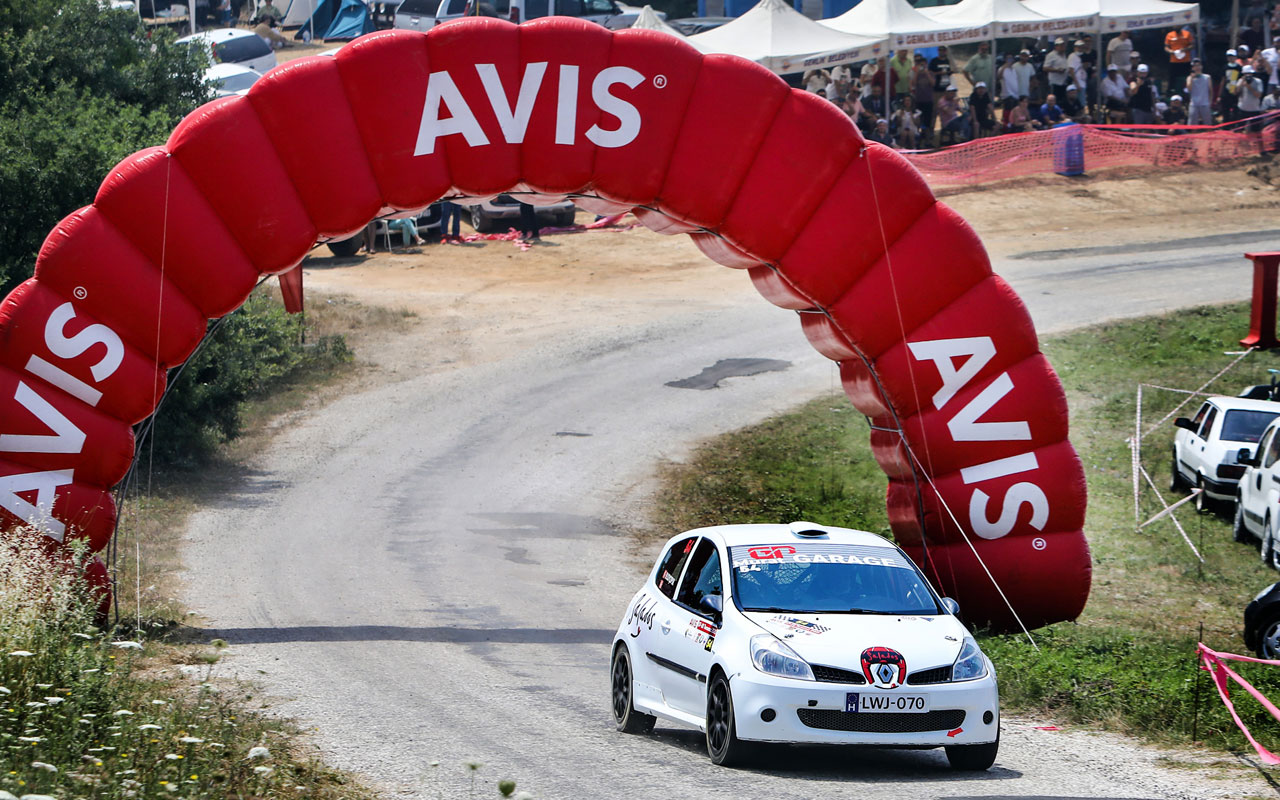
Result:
[[862, 703]]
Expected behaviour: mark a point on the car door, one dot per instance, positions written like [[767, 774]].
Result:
[[1194, 455], [689, 632], [1267, 483], [649, 613], [1182, 445], [1253, 495]]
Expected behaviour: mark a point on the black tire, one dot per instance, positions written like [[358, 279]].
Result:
[[625, 715], [1269, 637], [1203, 502], [1177, 483], [723, 744], [480, 221], [973, 757], [1238, 531], [1270, 556], [346, 248]]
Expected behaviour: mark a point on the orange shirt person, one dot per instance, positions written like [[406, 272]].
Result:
[[1179, 44]]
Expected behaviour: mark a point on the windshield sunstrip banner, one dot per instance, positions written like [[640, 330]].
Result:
[[745, 557]]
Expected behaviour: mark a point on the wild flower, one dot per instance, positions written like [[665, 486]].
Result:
[[53, 701], [38, 797], [126, 645], [264, 771], [3, 690], [159, 703], [172, 756], [44, 766], [191, 740], [124, 712], [149, 727], [259, 752], [31, 739], [44, 685], [36, 704], [22, 654], [82, 636]]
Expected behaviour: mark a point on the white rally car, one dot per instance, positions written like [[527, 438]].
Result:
[[818, 635]]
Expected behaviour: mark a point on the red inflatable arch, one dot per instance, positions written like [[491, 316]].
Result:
[[968, 419]]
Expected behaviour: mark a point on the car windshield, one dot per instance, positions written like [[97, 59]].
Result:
[[237, 82], [821, 577], [1245, 426]]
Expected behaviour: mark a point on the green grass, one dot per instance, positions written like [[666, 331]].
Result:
[[1128, 663]]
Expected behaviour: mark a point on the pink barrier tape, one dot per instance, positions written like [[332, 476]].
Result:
[[1017, 155], [1220, 672]]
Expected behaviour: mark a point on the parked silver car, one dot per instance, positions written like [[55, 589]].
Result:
[[503, 212]]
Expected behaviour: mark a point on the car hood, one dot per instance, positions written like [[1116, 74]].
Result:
[[838, 640]]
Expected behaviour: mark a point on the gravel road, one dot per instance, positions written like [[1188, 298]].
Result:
[[429, 569]]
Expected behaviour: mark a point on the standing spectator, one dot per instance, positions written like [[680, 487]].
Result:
[[1008, 85], [1118, 50], [224, 13], [901, 66], [981, 113], [981, 67], [1254, 37], [450, 211], [1072, 108], [1142, 98], [940, 69], [1227, 100], [1248, 92], [873, 72], [1176, 114], [1024, 71], [529, 224], [873, 108], [1057, 68], [1037, 92], [842, 77], [904, 125], [1089, 89], [923, 93], [1077, 70], [951, 122], [1179, 43], [268, 11], [1050, 112], [1270, 66], [1199, 95], [1115, 95], [816, 80], [1135, 61]]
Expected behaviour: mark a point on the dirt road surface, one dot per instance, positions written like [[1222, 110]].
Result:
[[429, 567]]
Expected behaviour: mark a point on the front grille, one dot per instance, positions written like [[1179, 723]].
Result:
[[853, 722], [835, 675], [935, 675]]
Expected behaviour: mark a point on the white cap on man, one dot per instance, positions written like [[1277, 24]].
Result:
[[1143, 68]]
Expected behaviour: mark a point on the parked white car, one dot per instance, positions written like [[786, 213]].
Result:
[[234, 46], [802, 634], [231, 79], [1258, 498], [1206, 446]]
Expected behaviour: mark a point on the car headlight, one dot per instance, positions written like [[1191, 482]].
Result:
[[970, 664], [1259, 595], [775, 658]]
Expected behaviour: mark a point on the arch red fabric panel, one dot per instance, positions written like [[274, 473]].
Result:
[[968, 419]]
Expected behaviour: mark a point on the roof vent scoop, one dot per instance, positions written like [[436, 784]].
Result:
[[807, 529]]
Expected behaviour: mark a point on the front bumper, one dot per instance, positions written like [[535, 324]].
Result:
[[959, 707]]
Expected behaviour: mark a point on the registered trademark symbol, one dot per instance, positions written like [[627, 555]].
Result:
[[80, 293], [660, 81], [1039, 543]]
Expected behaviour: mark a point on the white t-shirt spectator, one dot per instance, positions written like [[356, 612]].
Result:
[[1024, 73], [1271, 102], [1118, 52], [1115, 88], [1199, 89], [1078, 74], [1056, 67], [1249, 92], [1272, 57], [1008, 82]]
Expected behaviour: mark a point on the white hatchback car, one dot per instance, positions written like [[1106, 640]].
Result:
[[819, 635], [1206, 445]]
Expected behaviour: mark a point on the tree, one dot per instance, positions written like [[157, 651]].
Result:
[[81, 87]]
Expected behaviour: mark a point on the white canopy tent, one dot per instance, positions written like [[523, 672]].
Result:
[[781, 39], [1122, 15], [1009, 18], [648, 19], [903, 26], [298, 12]]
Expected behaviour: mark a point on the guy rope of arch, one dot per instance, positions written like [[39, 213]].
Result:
[[967, 418]]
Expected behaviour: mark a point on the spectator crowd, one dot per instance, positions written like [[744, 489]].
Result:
[[910, 101]]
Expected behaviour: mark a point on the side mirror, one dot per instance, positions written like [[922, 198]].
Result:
[[1185, 424], [713, 606], [1244, 456], [951, 606]]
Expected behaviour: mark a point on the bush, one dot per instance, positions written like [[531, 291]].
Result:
[[254, 351]]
